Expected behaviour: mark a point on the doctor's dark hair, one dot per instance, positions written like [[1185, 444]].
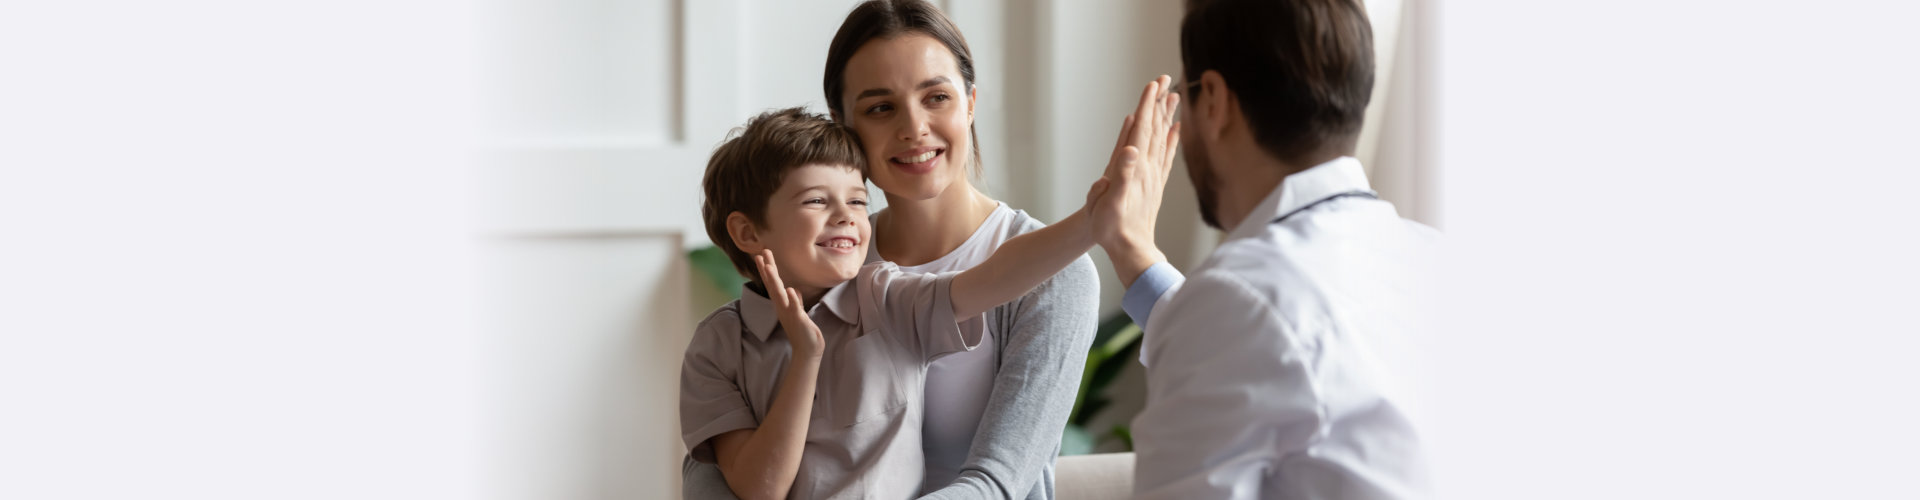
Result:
[[1302, 69], [751, 164], [885, 19]]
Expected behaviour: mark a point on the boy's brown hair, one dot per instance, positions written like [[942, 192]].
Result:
[[750, 165]]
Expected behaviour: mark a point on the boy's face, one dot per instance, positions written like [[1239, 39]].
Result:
[[816, 225]]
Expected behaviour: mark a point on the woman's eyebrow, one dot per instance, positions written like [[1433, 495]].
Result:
[[882, 92]]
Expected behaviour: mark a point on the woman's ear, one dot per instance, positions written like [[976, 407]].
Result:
[[746, 237], [973, 97]]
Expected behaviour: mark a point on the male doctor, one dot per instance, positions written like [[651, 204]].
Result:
[[1277, 369]]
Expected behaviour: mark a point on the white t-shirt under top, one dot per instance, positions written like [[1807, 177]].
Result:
[[958, 384]]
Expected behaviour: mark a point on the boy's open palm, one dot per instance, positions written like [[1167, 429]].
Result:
[[801, 332], [1125, 201]]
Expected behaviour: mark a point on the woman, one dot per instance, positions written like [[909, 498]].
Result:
[[900, 75]]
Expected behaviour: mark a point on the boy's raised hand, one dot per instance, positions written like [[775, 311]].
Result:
[[801, 332], [1125, 201]]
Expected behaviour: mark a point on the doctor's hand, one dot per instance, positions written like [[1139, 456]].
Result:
[[801, 332], [1125, 202]]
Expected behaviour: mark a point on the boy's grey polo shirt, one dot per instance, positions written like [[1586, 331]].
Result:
[[863, 440]]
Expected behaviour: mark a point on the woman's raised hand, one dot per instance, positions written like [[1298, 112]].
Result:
[[801, 332], [1125, 201]]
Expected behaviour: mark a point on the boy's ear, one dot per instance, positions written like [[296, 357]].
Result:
[[745, 235]]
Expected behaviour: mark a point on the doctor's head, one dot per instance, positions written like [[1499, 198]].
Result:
[[1270, 81]]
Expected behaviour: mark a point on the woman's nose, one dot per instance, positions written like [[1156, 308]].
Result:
[[916, 124]]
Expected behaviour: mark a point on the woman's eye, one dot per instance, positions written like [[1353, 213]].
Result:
[[879, 108], [941, 98]]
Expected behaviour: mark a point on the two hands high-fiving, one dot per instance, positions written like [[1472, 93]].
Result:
[[1124, 203], [1121, 208]]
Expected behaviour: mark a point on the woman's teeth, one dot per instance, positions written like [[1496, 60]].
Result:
[[922, 157]]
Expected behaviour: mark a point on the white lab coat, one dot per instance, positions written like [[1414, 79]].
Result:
[[1283, 367]]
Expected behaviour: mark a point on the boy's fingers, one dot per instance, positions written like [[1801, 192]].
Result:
[[1098, 190], [1173, 146], [1163, 121], [772, 272], [1126, 132], [1144, 113]]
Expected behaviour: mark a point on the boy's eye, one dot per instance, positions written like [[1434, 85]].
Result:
[[811, 201], [859, 202]]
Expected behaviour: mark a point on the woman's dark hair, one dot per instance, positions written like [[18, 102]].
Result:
[[1302, 69], [883, 19]]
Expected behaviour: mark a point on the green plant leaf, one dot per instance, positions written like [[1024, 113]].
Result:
[[713, 263], [1115, 344], [1076, 441], [1124, 434]]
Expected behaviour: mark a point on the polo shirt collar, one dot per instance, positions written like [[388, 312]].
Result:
[[756, 310], [1340, 175]]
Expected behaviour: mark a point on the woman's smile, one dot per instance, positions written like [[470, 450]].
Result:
[[918, 161]]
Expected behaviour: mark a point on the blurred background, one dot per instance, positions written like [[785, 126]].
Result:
[[448, 249]]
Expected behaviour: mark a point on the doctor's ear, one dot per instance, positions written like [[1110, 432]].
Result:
[[1213, 105], [745, 235]]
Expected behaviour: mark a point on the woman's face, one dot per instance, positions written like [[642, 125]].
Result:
[[907, 101]]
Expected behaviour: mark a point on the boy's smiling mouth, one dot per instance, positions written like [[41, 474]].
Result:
[[839, 244]]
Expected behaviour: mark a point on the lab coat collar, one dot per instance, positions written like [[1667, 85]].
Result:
[[1340, 175]]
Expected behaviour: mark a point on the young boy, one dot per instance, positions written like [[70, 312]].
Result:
[[809, 385]]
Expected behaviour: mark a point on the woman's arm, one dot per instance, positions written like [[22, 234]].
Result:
[[1043, 350], [762, 462]]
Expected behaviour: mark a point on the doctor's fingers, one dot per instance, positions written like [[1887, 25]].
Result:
[[1162, 126], [1162, 147]]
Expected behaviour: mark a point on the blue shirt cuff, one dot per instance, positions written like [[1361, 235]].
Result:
[[1146, 291]]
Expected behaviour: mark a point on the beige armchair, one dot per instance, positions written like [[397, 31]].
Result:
[[1103, 476]]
